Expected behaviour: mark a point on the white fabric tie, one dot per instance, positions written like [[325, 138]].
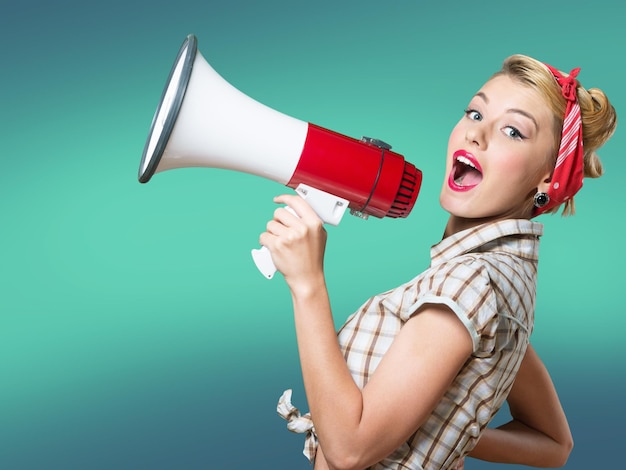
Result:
[[298, 423]]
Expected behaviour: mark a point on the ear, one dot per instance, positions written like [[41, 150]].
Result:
[[544, 185]]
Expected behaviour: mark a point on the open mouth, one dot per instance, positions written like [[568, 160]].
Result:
[[466, 172]]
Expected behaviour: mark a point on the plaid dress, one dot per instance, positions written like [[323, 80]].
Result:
[[487, 276]]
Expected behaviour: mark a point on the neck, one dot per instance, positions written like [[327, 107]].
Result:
[[458, 224]]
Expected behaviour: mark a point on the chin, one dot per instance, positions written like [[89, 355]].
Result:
[[457, 204], [462, 210]]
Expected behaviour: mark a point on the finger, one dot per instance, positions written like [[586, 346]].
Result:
[[286, 216], [284, 226], [276, 227], [299, 205], [266, 239]]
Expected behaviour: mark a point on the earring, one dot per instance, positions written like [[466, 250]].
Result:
[[541, 199]]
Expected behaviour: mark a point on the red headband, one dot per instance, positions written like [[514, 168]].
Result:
[[567, 177]]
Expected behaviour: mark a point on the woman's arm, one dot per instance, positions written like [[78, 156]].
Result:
[[357, 428], [539, 434]]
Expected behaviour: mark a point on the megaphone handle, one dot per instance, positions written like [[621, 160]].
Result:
[[328, 207], [263, 260]]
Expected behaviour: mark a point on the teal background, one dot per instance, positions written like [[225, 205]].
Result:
[[135, 331]]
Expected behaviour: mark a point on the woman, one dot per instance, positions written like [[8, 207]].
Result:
[[415, 375]]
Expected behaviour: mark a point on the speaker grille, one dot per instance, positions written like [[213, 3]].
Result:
[[407, 192]]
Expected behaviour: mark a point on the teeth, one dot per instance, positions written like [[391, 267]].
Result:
[[466, 161]]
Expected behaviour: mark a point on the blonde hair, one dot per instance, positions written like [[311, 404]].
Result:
[[599, 118]]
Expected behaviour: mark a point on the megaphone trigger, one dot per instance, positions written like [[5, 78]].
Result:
[[328, 207]]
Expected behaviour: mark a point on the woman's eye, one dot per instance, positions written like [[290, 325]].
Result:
[[513, 133], [473, 114]]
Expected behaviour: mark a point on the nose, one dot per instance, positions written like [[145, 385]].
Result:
[[476, 135]]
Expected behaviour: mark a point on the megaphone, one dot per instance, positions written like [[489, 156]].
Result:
[[203, 121]]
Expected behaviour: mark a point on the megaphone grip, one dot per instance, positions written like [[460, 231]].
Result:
[[328, 207], [263, 260]]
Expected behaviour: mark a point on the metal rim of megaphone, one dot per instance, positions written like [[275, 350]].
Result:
[[152, 153]]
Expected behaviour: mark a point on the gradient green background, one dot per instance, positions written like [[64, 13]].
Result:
[[135, 331]]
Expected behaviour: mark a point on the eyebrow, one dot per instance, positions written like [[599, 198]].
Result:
[[511, 110]]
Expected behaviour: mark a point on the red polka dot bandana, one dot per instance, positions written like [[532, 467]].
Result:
[[567, 177]]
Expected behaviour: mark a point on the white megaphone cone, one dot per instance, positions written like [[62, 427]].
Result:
[[203, 121]]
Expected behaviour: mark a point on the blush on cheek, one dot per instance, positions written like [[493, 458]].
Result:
[[515, 167], [456, 141], [456, 137]]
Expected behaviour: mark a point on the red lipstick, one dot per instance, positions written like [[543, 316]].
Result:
[[466, 172]]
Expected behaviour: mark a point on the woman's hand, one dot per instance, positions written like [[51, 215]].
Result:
[[539, 434], [296, 242]]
